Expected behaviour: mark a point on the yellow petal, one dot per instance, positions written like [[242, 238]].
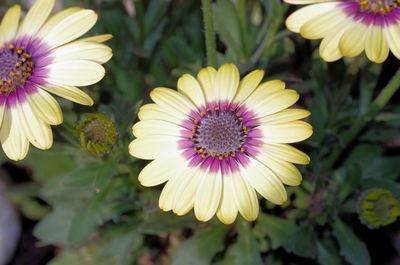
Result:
[[247, 85], [185, 194], [285, 171], [156, 112], [92, 51], [98, 38], [171, 99], [9, 24], [272, 103], [392, 34], [297, 19], [37, 132], [227, 210], [188, 86], [287, 153], [352, 42], [303, 2], [245, 197], [15, 144], [55, 19], [155, 127], [160, 170], [70, 28], [226, 82], [286, 115], [329, 47], [45, 107], [151, 147], [75, 73], [206, 78], [168, 193], [376, 46], [319, 27], [2, 109], [290, 132], [264, 181], [69, 92], [208, 196], [35, 17]]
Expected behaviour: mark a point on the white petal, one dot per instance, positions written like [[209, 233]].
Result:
[[2, 109], [168, 193], [35, 17], [75, 73], [319, 27], [352, 42], [392, 34], [286, 115], [376, 46]]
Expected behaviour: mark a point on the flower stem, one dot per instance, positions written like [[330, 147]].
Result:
[[378, 104], [209, 33]]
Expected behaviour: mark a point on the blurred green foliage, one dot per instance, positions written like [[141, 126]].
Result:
[[97, 212]]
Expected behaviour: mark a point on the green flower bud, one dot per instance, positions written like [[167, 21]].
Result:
[[97, 133]]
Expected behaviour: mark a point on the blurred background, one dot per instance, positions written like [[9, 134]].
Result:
[[68, 206]]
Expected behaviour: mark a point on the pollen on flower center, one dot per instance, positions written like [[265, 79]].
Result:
[[16, 66], [219, 133], [378, 6], [96, 131]]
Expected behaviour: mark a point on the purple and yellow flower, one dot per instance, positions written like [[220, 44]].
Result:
[[39, 54], [218, 140], [348, 27]]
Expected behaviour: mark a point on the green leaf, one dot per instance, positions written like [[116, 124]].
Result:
[[246, 249], [281, 231], [161, 222], [200, 249], [83, 225], [79, 178], [351, 181], [304, 233], [105, 172], [54, 228], [394, 187], [351, 248], [327, 255]]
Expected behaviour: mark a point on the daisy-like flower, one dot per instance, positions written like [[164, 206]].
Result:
[[347, 27], [218, 140], [39, 54]]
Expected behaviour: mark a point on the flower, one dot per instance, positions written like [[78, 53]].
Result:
[[377, 207], [98, 133], [39, 54], [347, 27], [217, 140]]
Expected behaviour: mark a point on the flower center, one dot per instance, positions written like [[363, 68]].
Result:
[[96, 131], [378, 6], [219, 133], [16, 66]]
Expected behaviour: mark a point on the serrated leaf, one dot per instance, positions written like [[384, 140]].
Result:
[[200, 249], [304, 233], [351, 248], [160, 222], [281, 231], [326, 255], [105, 172], [246, 249]]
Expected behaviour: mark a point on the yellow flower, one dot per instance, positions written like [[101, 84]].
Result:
[[218, 140], [39, 54], [348, 27]]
